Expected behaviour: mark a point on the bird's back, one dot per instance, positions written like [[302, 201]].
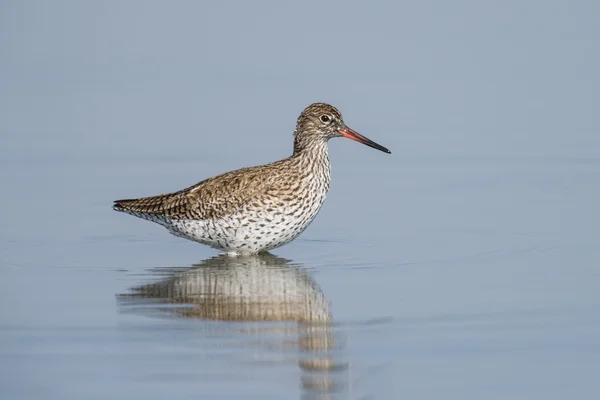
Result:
[[214, 197]]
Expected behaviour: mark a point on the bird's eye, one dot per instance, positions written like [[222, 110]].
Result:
[[325, 118]]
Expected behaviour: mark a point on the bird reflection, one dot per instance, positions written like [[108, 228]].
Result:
[[255, 289]]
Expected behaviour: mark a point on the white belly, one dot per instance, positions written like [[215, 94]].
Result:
[[250, 231]]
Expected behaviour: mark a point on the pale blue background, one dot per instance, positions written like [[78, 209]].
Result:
[[473, 247]]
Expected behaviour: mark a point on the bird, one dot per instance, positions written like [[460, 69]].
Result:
[[255, 209]]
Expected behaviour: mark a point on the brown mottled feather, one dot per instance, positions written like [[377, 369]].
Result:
[[220, 195]]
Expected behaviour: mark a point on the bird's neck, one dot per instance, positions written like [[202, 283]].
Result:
[[310, 148], [304, 144], [312, 156]]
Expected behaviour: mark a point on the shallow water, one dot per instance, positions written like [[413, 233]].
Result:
[[462, 266], [464, 287]]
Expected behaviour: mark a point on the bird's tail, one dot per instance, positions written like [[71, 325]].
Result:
[[150, 205]]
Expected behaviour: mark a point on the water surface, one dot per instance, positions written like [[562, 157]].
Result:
[[460, 287], [462, 266]]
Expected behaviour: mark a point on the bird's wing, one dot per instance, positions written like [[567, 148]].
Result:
[[218, 196]]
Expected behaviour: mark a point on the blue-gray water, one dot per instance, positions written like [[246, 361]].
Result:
[[462, 266]]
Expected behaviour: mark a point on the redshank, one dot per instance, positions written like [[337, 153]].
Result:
[[255, 209]]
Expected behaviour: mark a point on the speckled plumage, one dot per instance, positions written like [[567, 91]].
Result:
[[255, 209]]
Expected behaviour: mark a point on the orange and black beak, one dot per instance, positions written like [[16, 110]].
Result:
[[350, 134]]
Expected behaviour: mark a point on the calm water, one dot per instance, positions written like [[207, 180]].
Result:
[[448, 277], [465, 265]]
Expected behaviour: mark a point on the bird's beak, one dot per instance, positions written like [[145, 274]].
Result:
[[351, 134]]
